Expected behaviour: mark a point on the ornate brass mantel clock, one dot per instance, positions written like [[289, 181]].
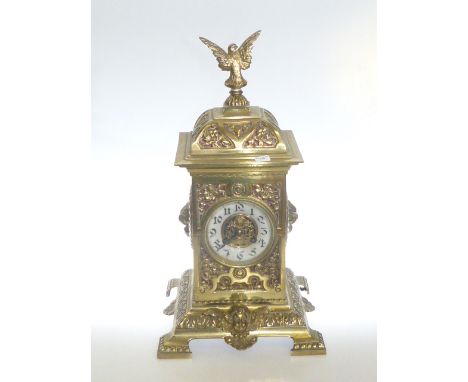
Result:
[[238, 218]]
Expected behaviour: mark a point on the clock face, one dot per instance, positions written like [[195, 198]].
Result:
[[239, 232]]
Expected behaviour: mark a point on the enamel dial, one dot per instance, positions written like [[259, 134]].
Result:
[[239, 232]]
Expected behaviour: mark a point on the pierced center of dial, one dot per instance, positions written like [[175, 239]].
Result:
[[239, 231]]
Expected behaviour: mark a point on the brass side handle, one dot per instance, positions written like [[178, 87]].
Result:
[[292, 215], [184, 218], [173, 283], [308, 307], [170, 309], [303, 284]]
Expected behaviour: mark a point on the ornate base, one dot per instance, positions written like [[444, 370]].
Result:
[[239, 323]]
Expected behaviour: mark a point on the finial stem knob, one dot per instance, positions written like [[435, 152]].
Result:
[[236, 99]]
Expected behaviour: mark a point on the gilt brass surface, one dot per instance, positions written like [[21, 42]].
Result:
[[239, 288], [234, 60], [240, 323]]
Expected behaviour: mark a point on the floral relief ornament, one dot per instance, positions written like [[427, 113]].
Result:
[[263, 136], [208, 194], [213, 138], [269, 193]]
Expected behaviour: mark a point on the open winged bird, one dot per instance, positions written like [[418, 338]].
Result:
[[235, 60]]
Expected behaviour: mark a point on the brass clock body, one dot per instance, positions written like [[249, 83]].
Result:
[[238, 218]]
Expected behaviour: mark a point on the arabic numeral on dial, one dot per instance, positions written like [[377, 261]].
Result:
[[263, 231], [212, 232], [251, 211], [217, 219], [218, 245], [227, 211], [262, 243], [240, 255], [226, 251], [261, 219], [253, 252], [239, 207]]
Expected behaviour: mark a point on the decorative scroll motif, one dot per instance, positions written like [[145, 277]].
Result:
[[238, 189], [269, 193], [239, 130], [213, 138], [172, 348], [211, 318], [292, 215], [209, 268], [200, 122], [208, 194], [263, 136], [182, 295], [270, 267], [184, 218], [239, 321], [274, 319], [253, 283], [239, 273]]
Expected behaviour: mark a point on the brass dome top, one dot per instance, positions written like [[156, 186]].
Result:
[[247, 136]]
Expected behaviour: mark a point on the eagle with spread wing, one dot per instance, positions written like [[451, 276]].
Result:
[[235, 60]]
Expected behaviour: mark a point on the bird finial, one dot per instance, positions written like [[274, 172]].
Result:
[[234, 60]]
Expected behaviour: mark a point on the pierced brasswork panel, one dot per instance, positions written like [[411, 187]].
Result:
[[270, 267], [253, 283], [269, 193], [207, 194], [263, 136], [209, 269], [213, 138], [239, 130]]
